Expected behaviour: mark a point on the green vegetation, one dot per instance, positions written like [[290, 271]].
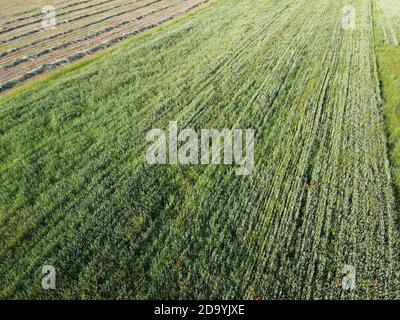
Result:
[[387, 21], [76, 192], [389, 65], [386, 17]]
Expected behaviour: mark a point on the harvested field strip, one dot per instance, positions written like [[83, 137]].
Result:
[[115, 227], [388, 56], [29, 65], [60, 12], [13, 11], [388, 21], [113, 29], [73, 27], [107, 13]]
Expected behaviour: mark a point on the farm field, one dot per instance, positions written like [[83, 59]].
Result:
[[77, 193], [387, 19], [82, 27]]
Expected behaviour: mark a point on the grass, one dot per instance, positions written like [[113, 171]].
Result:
[[389, 65], [76, 192]]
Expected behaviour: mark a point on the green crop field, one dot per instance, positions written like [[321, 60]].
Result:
[[77, 193]]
